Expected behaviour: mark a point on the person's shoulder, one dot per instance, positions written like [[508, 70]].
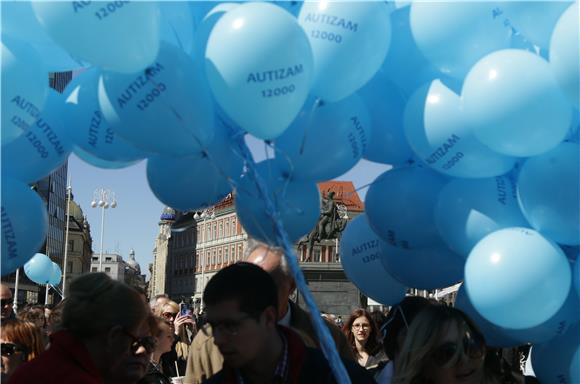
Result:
[[316, 366], [203, 337]]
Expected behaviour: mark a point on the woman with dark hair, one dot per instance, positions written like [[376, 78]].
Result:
[[363, 336], [20, 341]]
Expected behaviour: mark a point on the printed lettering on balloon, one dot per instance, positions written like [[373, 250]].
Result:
[[362, 139], [335, 21], [79, 5], [365, 247], [137, 84], [109, 9], [323, 35], [442, 151], [9, 235], [275, 75], [145, 102], [501, 193], [26, 106]]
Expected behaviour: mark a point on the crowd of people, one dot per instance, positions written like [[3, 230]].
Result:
[[251, 332]]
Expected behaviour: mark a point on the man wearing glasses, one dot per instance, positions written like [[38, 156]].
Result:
[[6, 301], [242, 309]]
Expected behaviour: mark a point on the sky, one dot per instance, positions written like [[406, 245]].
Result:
[[133, 224]]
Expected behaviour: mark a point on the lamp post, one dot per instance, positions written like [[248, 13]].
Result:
[[206, 214], [103, 198]]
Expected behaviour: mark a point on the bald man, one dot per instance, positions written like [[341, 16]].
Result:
[[6, 301], [205, 359]]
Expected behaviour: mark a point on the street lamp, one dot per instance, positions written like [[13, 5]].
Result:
[[206, 214], [103, 198]]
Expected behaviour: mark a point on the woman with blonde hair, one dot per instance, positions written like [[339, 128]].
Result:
[[20, 341]]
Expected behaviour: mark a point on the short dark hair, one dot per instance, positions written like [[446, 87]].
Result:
[[247, 284]]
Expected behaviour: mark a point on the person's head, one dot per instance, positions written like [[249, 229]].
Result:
[[163, 333], [361, 328], [34, 314], [443, 346], [6, 301], [20, 341], [169, 310], [398, 321], [272, 260], [241, 307], [111, 319], [53, 323], [157, 303]]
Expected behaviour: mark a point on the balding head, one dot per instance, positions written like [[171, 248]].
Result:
[[6, 297]]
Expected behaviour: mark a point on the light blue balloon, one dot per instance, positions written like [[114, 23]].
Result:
[[206, 25], [423, 268], [39, 269], [297, 204], [165, 110], [437, 132], [117, 35], [24, 88], [548, 190], [87, 126], [55, 275], [100, 163], [24, 224], [260, 86], [469, 210], [386, 103], [455, 35], [400, 205], [44, 147], [510, 271], [343, 126], [360, 256], [558, 361], [339, 33], [177, 25], [577, 276], [514, 105], [176, 181], [564, 53], [494, 336], [293, 7]]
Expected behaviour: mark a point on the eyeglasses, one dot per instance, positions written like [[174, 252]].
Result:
[[363, 326], [147, 342], [4, 302], [8, 349], [169, 315], [230, 327], [471, 345]]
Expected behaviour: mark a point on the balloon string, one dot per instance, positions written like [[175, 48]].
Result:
[[326, 341]]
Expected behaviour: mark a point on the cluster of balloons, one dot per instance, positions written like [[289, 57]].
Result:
[[42, 270], [474, 104]]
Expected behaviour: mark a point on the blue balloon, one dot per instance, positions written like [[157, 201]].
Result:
[[260, 86], [469, 210], [577, 276], [39, 269], [55, 275], [166, 110], [548, 190], [24, 224], [494, 336], [386, 103], [510, 271], [564, 52], [100, 163], [360, 255], [455, 35], [87, 126], [176, 181], [514, 105], [177, 25], [343, 126], [339, 33], [297, 205], [400, 205], [24, 88], [293, 7], [44, 147], [558, 361], [117, 35], [423, 268], [206, 25], [436, 130]]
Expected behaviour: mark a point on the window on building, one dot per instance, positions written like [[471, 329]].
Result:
[[220, 261], [69, 267], [215, 231], [234, 229], [208, 232], [94, 269], [233, 253], [108, 259], [221, 233], [107, 269], [316, 255], [227, 228], [71, 245], [239, 256], [226, 255]]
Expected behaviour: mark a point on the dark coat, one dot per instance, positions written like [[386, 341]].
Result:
[[154, 376]]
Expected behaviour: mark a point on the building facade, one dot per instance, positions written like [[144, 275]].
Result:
[[157, 282], [118, 269], [79, 249]]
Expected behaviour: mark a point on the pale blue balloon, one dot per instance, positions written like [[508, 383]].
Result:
[[548, 191], [100, 163], [339, 33], [494, 336], [297, 205], [558, 361], [423, 268], [260, 86], [44, 147], [165, 110], [55, 275], [514, 105], [24, 87], [469, 210], [87, 126], [360, 256], [177, 26], [437, 132], [293, 7], [24, 224], [386, 103], [343, 126], [564, 53], [39, 269], [400, 206], [206, 25], [117, 35], [510, 271], [455, 35]]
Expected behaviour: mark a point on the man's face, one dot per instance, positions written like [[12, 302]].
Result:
[[238, 336], [6, 301]]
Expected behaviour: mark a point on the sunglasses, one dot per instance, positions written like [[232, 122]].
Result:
[[471, 345], [169, 315], [8, 349], [147, 342], [4, 302]]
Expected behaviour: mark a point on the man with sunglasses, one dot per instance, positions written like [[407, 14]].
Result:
[[242, 309], [6, 302]]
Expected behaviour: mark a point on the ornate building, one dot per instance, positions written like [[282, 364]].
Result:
[[79, 249], [118, 269], [157, 283]]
